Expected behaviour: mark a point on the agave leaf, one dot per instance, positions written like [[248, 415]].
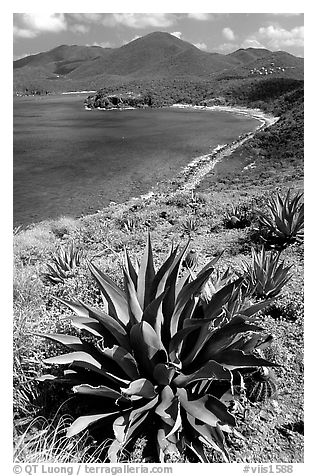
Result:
[[113, 451], [208, 409], [179, 338], [200, 341], [166, 396], [110, 324], [72, 357], [100, 391], [186, 294], [146, 275], [169, 301], [84, 421], [147, 346], [160, 278], [45, 377], [86, 361], [210, 264], [125, 425], [135, 310], [177, 425], [130, 269], [251, 310], [89, 325], [141, 388], [223, 337], [165, 446], [163, 374], [184, 280], [75, 305], [153, 314], [124, 359], [114, 295], [210, 371], [72, 342], [210, 435], [197, 448], [220, 298], [233, 359]]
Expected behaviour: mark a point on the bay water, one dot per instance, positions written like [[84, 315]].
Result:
[[68, 161]]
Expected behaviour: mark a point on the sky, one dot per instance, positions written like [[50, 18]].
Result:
[[38, 31]]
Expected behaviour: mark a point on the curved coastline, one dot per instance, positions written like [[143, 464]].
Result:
[[194, 172]]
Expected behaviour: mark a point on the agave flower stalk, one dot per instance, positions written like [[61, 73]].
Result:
[[159, 357]]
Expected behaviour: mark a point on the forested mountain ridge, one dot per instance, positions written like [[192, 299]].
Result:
[[155, 56]]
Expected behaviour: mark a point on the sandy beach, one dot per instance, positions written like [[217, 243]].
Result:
[[199, 167]]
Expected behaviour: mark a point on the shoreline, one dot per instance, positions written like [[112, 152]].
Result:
[[194, 172]]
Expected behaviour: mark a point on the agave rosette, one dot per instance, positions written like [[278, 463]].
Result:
[[63, 264], [285, 218], [267, 275], [157, 356]]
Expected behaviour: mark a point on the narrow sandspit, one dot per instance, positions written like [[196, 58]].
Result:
[[199, 167]]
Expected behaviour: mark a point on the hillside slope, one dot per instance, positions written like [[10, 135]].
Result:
[[155, 56]]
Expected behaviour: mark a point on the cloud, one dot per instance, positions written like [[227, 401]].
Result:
[[178, 34], [103, 44], [251, 42], [24, 55], [139, 20], [136, 37], [285, 14], [228, 34], [199, 16], [278, 37], [32, 24], [201, 46], [227, 48], [23, 33], [86, 17], [79, 28]]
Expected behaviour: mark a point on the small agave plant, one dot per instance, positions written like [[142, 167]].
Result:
[[157, 361], [63, 264], [266, 274], [237, 217]]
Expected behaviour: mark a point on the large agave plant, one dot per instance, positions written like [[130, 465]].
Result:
[[157, 360], [266, 274], [285, 219]]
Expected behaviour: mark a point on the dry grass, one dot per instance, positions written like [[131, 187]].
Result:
[[102, 240]]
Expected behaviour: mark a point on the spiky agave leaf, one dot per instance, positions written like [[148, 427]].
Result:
[[158, 354], [63, 264], [266, 273], [285, 218]]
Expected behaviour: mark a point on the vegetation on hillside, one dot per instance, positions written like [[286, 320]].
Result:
[[185, 338]]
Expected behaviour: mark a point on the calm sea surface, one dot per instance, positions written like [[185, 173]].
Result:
[[69, 161]]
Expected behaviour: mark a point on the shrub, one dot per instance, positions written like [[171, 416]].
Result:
[[284, 223], [63, 226], [155, 356], [265, 275], [63, 264]]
